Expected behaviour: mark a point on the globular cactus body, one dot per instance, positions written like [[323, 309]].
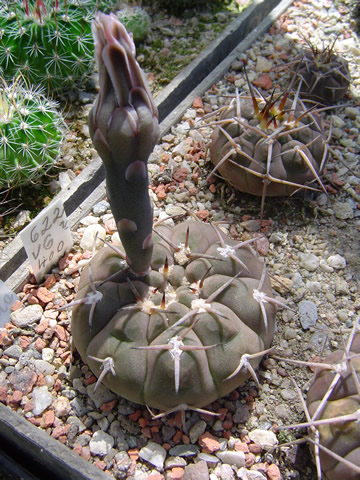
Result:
[[185, 314], [136, 21], [268, 147], [31, 131], [215, 336], [324, 75], [341, 438], [48, 42]]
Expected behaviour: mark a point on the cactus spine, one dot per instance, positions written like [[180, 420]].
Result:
[[31, 130], [48, 42]]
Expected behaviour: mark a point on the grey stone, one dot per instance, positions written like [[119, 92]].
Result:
[[265, 438], [154, 454], [309, 261], [226, 472], [184, 450], [101, 395], [80, 426], [100, 208], [197, 430], [297, 281], [343, 210], [196, 471], [209, 459], [79, 407], [242, 414], [167, 432], [26, 316], [42, 399], [115, 429], [232, 457], [14, 351], [101, 443], [308, 314], [43, 367], [341, 287]]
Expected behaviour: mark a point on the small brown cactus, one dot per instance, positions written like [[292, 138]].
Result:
[[331, 395], [324, 75], [269, 146]]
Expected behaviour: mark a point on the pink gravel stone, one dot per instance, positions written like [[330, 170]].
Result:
[[208, 443], [47, 419], [273, 472], [177, 473], [44, 295]]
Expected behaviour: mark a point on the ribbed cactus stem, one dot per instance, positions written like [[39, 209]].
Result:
[[124, 128]]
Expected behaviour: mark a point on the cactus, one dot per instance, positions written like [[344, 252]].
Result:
[[31, 131], [335, 394], [332, 410], [185, 315], [48, 42], [269, 147], [136, 21], [324, 75]]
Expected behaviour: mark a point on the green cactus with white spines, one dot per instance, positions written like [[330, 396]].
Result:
[[48, 42], [31, 131], [185, 314], [136, 21]]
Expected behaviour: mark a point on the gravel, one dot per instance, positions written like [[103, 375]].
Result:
[[311, 247]]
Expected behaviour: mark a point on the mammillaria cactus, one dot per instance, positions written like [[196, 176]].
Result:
[[269, 147], [30, 134], [186, 314], [324, 75], [48, 42], [334, 401], [135, 20]]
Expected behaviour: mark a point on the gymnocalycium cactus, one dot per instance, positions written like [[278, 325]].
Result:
[[48, 42], [333, 395], [269, 147], [31, 131], [185, 315], [324, 75], [332, 410]]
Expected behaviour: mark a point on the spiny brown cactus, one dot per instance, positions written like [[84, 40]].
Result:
[[185, 315], [332, 410], [324, 75], [332, 395], [182, 334], [269, 146]]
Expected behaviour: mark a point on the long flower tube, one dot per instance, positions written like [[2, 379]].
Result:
[[124, 128]]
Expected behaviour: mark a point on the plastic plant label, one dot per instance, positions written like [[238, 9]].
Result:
[[47, 238], [7, 298]]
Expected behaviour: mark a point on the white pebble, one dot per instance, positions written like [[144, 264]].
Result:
[[309, 261], [336, 261], [88, 240]]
